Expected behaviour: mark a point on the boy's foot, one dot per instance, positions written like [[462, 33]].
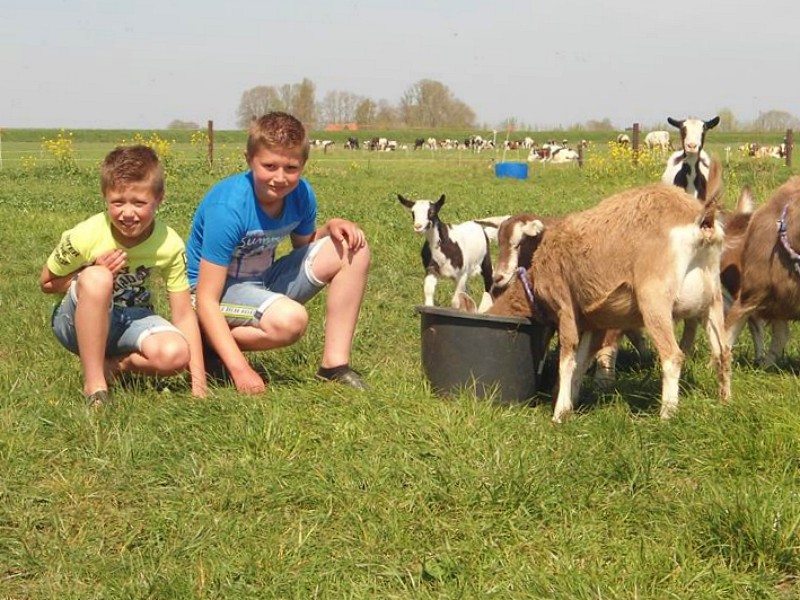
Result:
[[98, 398], [344, 375]]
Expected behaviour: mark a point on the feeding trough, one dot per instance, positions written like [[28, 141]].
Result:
[[495, 355], [516, 170]]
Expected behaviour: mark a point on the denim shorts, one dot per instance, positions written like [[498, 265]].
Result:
[[244, 301], [128, 327]]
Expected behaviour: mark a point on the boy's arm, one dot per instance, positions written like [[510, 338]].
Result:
[[184, 318], [210, 284], [51, 283], [342, 230]]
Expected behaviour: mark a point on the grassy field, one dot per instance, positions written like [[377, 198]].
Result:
[[313, 491]]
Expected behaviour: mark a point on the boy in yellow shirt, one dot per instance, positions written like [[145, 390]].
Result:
[[103, 267]]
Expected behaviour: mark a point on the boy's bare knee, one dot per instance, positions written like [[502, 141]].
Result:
[[95, 280], [168, 353], [285, 320]]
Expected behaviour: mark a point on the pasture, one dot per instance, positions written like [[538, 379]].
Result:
[[315, 491]]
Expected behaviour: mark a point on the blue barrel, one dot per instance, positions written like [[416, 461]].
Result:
[[511, 169]]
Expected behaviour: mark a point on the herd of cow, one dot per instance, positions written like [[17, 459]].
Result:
[[644, 258]]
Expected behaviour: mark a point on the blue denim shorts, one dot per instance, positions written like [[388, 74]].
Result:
[[128, 327], [244, 301]]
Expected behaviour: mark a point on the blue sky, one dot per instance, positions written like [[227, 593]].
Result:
[[142, 63]]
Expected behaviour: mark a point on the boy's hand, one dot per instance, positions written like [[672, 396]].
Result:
[[247, 381], [347, 232], [113, 260]]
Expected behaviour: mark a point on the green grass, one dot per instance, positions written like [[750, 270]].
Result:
[[312, 490]]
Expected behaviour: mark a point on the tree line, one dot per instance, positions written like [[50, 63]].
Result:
[[429, 104]]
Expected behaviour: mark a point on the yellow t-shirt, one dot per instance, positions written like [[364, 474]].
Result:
[[163, 252]]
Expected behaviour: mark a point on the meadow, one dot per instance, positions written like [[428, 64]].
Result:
[[317, 491]]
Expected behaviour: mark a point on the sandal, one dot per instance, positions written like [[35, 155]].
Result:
[[344, 375], [98, 398]]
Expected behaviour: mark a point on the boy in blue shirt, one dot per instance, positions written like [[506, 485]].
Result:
[[246, 299]]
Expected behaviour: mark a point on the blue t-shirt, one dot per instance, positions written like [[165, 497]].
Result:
[[231, 229]]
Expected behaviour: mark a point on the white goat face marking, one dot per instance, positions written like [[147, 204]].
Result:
[[420, 212], [693, 133]]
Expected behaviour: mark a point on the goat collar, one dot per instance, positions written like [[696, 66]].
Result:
[[784, 238], [522, 273]]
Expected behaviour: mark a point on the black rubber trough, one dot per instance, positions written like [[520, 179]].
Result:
[[496, 356]]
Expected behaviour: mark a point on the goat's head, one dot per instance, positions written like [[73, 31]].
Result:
[[424, 213], [693, 132], [510, 236]]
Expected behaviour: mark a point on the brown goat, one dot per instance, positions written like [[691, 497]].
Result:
[[770, 268], [517, 239], [667, 268]]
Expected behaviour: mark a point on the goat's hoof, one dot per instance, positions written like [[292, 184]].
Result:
[[604, 378]]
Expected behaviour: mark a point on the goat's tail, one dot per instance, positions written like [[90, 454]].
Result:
[[714, 186]]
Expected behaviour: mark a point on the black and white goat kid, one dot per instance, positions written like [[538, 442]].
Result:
[[688, 167], [456, 251]]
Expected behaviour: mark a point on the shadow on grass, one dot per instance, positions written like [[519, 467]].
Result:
[[638, 384]]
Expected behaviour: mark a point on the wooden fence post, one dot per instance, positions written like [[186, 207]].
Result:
[[635, 143], [789, 141], [580, 153], [211, 144]]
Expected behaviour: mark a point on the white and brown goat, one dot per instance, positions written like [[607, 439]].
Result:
[[517, 240], [667, 268], [455, 251], [769, 263], [688, 168]]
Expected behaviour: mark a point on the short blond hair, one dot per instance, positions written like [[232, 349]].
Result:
[[277, 130], [132, 164]]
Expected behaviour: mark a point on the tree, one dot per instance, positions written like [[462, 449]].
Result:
[[595, 125], [258, 101], [303, 103], [430, 103], [774, 120], [727, 120], [178, 124], [366, 112], [339, 107], [385, 114], [298, 99]]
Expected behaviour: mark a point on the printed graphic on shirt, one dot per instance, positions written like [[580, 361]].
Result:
[[65, 250], [256, 252], [130, 288]]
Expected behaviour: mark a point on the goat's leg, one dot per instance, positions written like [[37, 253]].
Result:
[[660, 326], [605, 372], [429, 287], [461, 288], [780, 336], [757, 329], [587, 348], [567, 364], [639, 342], [720, 349], [689, 335]]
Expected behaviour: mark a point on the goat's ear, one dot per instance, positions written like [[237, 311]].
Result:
[[404, 202], [440, 201], [711, 123], [674, 122], [533, 228]]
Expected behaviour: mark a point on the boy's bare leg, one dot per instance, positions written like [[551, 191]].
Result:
[[346, 273], [283, 323], [94, 289], [164, 353]]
